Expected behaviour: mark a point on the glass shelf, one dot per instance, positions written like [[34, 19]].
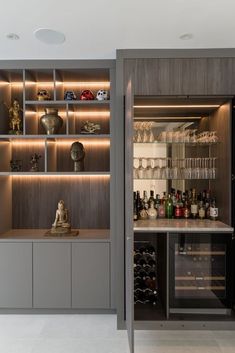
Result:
[[178, 143], [151, 179]]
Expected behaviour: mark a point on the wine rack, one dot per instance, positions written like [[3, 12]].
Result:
[[145, 274]]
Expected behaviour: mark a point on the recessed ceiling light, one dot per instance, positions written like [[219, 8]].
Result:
[[49, 36], [12, 36], [186, 36]]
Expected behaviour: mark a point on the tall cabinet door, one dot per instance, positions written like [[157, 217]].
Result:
[[129, 214]]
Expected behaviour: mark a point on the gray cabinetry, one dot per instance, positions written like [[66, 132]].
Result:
[[90, 275], [16, 275], [52, 275]]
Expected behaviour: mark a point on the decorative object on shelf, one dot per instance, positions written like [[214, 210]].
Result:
[[15, 118], [51, 121], [43, 95], [102, 95], [89, 127], [87, 95], [77, 152], [16, 165], [70, 96], [61, 225], [34, 161]]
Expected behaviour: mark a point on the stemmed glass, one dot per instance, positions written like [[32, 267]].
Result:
[[141, 169], [151, 135], [156, 169], [136, 166], [144, 128], [149, 169]]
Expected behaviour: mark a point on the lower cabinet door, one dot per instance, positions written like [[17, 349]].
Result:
[[91, 275], [52, 275], [15, 275]]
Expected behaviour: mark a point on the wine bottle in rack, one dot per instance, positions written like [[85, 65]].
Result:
[[145, 275]]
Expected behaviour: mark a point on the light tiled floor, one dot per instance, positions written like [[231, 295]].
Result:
[[98, 334]]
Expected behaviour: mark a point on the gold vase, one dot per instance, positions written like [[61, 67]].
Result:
[[51, 121]]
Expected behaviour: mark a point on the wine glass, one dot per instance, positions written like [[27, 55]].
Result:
[[136, 163], [157, 169], [141, 169]]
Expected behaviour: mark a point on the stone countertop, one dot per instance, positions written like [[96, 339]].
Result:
[[181, 225], [34, 235]]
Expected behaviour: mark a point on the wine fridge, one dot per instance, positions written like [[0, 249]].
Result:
[[200, 273]]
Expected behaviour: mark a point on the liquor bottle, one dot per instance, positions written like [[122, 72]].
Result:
[[169, 207], [207, 204], [138, 203], [213, 210], [178, 211], [201, 210], [144, 206], [145, 200], [157, 203], [152, 211], [161, 210], [186, 207], [194, 205], [151, 198], [135, 212]]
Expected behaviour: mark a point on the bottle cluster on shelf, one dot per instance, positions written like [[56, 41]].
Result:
[[145, 275], [177, 205]]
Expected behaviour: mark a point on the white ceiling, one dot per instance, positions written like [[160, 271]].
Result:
[[94, 29]]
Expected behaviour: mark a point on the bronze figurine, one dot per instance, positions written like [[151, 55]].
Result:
[[15, 118], [34, 161]]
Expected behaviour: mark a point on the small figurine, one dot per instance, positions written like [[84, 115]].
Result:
[[87, 95], [61, 224], [34, 161], [89, 128], [15, 118], [69, 96], [16, 165], [43, 95], [102, 95], [78, 154]]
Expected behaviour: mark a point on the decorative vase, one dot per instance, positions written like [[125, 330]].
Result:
[[51, 121]]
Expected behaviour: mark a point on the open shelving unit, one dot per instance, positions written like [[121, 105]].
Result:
[[25, 193]]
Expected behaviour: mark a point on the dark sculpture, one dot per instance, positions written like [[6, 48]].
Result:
[[78, 154]]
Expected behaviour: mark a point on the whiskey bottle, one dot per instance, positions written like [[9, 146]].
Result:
[[151, 198], [194, 205]]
